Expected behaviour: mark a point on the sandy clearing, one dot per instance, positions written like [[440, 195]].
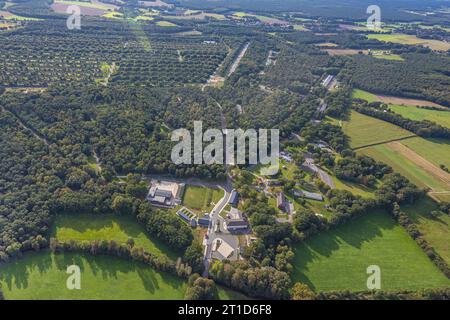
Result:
[[426, 165]]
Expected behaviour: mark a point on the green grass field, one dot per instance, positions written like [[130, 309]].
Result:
[[364, 130], [108, 227], [201, 199], [435, 230], [95, 5], [392, 57], [354, 188], [411, 40], [43, 276], [404, 166], [165, 24], [414, 113], [436, 151], [364, 95], [338, 259]]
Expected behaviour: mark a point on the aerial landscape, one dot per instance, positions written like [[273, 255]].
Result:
[[225, 150]]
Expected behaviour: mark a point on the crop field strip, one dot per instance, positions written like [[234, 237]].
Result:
[[367, 131]]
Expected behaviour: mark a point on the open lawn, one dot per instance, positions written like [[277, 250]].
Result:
[[354, 188], [364, 130], [435, 230], [43, 276], [108, 227], [405, 166], [201, 199], [393, 57], [419, 114], [338, 259], [411, 40], [364, 95]]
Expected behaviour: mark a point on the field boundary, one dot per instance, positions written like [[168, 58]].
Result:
[[422, 162], [384, 142]]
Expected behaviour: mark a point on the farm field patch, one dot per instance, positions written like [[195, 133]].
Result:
[[263, 19], [338, 259], [405, 166], [422, 162], [419, 114], [411, 40], [354, 188], [198, 16], [165, 24], [43, 276], [89, 227], [370, 97], [435, 229], [364, 130], [435, 150]]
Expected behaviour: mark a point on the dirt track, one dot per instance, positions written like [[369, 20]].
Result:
[[426, 165]]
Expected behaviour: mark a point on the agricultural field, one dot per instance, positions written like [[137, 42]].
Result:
[[338, 259], [89, 227], [88, 8], [435, 229], [391, 100], [435, 150], [364, 130], [411, 40], [417, 169], [386, 56], [43, 275], [419, 114], [201, 199], [263, 19], [356, 189], [198, 16], [165, 24]]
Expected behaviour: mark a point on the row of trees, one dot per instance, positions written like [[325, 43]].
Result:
[[361, 169], [264, 282], [403, 219], [166, 226]]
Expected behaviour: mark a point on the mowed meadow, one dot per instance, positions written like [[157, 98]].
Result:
[[365, 131], [435, 229], [414, 157], [338, 259], [88, 227], [441, 117], [42, 276]]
